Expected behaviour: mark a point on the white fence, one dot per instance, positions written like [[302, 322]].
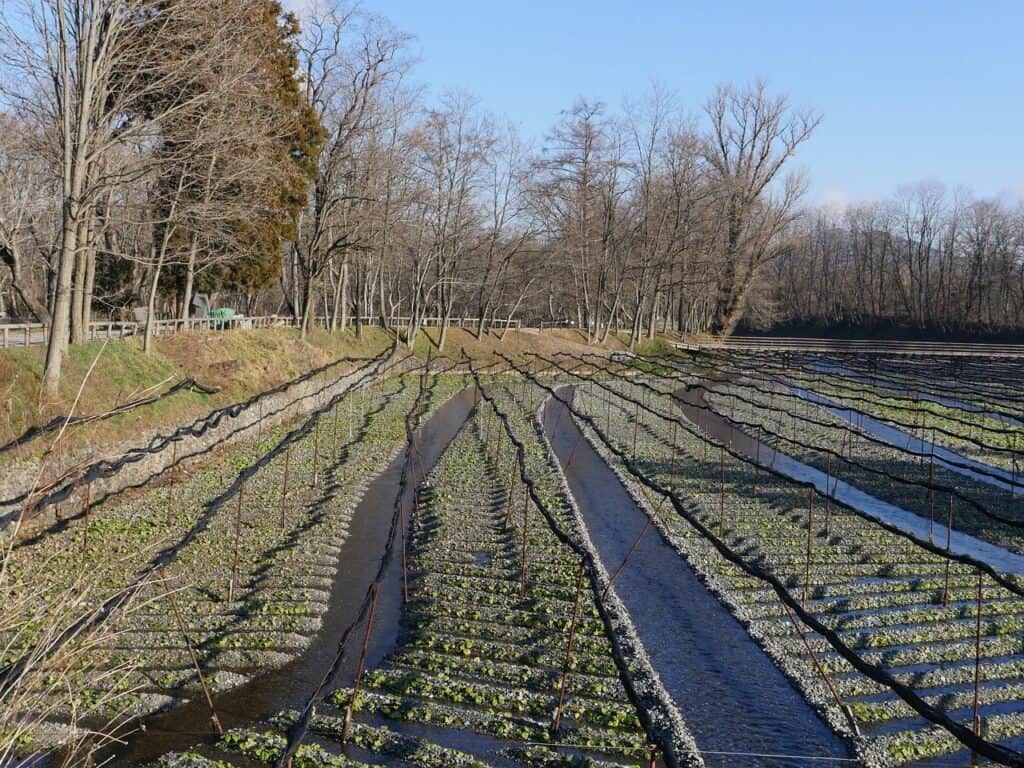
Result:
[[33, 334]]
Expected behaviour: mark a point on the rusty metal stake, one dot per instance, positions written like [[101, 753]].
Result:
[[632, 549], [497, 448], [284, 486], [700, 420], [526, 523], [653, 762], [334, 435], [511, 479], [170, 489], [949, 542], [977, 654], [316, 451], [828, 496], [636, 426], [557, 719], [810, 539], [721, 489], [191, 652], [346, 731], [238, 533], [821, 671], [405, 562], [675, 424], [931, 498], [85, 530]]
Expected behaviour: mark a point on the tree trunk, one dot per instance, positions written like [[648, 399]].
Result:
[[307, 309], [90, 284], [147, 343], [78, 287], [11, 256], [344, 295], [57, 344], [190, 276]]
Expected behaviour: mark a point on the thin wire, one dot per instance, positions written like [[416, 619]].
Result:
[[702, 752]]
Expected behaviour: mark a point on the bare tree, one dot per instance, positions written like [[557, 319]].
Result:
[[23, 201], [83, 72], [753, 136], [342, 83]]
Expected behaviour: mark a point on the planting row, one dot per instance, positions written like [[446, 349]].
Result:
[[251, 562], [483, 660], [828, 443], [900, 607]]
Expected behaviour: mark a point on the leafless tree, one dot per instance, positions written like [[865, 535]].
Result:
[[752, 137]]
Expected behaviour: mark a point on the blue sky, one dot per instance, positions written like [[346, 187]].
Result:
[[910, 90]]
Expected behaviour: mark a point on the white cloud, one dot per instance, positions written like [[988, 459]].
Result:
[[834, 199]]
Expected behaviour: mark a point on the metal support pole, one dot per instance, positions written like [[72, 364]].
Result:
[[821, 671], [238, 534], [316, 451], [405, 562], [556, 721], [977, 654], [810, 539], [511, 480], [191, 652], [346, 731], [259, 423], [931, 498], [721, 490], [284, 485], [170, 482], [949, 542], [526, 522], [636, 426], [828, 496]]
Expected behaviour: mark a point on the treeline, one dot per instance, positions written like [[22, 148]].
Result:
[[149, 152], [926, 259]]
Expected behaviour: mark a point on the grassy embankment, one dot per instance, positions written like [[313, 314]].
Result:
[[241, 364]]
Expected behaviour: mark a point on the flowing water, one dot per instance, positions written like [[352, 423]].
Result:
[[290, 685], [739, 707]]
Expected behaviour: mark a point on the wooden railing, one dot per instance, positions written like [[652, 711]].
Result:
[[32, 334]]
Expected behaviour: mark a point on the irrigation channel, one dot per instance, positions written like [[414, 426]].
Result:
[[733, 504], [739, 706], [289, 686]]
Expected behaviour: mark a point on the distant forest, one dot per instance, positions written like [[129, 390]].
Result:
[[926, 260]]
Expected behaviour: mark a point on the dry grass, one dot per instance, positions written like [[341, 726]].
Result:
[[241, 363]]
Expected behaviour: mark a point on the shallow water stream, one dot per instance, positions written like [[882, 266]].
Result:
[[739, 707], [289, 686]]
